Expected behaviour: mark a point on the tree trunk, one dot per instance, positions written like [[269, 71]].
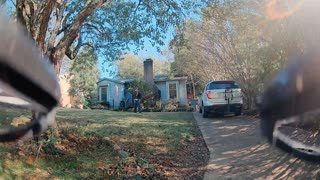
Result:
[[56, 58], [193, 87], [57, 66]]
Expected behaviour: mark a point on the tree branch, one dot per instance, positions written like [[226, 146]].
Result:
[[71, 34], [45, 17], [94, 27], [15, 5], [65, 26], [73, 53], [54, 33]]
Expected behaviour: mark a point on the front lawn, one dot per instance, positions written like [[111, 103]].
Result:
[[99, 144]]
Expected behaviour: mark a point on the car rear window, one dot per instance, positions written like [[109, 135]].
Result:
[[223, 85]]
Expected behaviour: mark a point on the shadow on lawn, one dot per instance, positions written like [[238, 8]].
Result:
[[168, 141], [240, 152]]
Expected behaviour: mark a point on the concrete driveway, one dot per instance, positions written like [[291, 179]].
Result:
[[237, 151]]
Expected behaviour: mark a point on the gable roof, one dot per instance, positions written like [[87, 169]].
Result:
[[166, 78], [118, 81]]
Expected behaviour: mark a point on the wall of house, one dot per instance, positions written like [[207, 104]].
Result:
[[114, 92], [66, 100], [183, 92], [164, 92], [181, 88]]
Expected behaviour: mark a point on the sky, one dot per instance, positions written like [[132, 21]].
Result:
[[148, 51]]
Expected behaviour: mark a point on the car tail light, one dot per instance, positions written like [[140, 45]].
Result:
[[209, 94], [237, 94], [212, 95]]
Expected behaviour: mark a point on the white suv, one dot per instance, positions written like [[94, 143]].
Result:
[[221, 97]]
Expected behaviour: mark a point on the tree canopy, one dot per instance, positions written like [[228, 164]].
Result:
[[244, 41], [131, 66], [84, 76], [63, 27]]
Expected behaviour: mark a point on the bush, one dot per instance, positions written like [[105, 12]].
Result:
[[171, 105], [150, 93], [101, 105]]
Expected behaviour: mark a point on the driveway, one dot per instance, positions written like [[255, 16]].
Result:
[[237, 151]]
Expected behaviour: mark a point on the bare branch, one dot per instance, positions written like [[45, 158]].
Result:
[[71, 34], [54, 33], [20, 13], [64, 28], [73, 53], [45, 17], [15, 5], [94, 27]]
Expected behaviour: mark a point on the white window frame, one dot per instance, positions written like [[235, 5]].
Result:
[[168, 89], [100, 92]]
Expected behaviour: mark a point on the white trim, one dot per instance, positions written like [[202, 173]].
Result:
[[100, 90], [177, 89], [109, 93]]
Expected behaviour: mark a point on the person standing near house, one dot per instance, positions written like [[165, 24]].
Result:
[[137, 101]]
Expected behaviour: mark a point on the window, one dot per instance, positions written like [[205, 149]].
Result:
[[223, 85], [172, 90], [103, 91]]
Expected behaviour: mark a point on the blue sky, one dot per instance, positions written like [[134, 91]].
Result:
[[148, 51]]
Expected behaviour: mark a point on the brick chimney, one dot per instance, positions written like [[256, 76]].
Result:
[[148, 71]]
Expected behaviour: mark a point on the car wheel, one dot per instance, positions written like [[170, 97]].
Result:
[[238, 113], [205, 113]]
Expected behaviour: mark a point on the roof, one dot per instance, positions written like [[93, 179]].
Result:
[[166, 78], [158, 78], [119, 81], [223, 81]]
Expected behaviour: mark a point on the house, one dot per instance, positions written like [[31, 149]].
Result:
[[172, 88], [66, 100], [114, 91], [111, 91]]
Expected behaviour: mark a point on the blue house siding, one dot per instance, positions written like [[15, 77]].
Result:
[[163, 89], [183, 97], [114, 92], [181, 90]]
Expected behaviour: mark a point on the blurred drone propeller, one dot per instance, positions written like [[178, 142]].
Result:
[[27, 83]]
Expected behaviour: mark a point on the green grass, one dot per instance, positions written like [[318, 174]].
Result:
[[144, 137], [10, 115]]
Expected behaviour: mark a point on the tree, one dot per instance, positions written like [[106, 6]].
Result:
[[84, 77], [161, 67], [224, 45], [245, 41], [131, 66], [63, 27], [150, 92]]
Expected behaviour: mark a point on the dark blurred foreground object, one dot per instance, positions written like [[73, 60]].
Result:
[[290, 108], [27, 81]]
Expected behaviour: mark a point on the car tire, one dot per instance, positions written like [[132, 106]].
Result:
[[238, 113], [205, 113]]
